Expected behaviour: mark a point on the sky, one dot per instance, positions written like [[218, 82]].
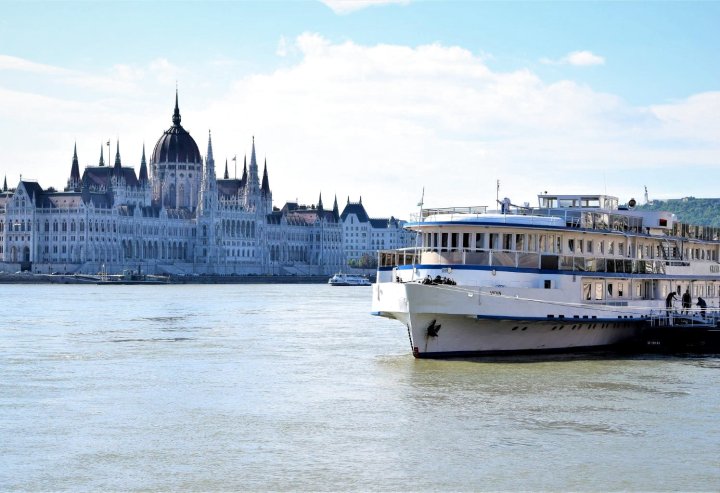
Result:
[[375, 99]]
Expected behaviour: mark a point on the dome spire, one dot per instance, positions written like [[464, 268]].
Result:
[[176, 114]]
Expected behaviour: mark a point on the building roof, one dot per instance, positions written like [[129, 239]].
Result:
[[176, 145], [355, 208]]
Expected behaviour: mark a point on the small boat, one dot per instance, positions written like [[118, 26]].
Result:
[[341, 279], [131, 277]]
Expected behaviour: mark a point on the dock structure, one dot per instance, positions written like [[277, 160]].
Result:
[[670, 332]]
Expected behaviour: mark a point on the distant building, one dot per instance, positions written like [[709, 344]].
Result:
[[172, 217], [365, 236]]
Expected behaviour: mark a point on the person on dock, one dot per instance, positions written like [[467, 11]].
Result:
[[686, 302], [703, 306]]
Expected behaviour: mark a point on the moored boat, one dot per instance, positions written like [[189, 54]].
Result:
[[577, 272], [341, 279]]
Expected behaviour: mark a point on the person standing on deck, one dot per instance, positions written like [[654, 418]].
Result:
[[686, 301]]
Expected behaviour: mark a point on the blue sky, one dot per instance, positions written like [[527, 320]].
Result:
[[378, 99]]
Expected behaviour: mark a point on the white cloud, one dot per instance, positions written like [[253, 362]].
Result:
[[383, 121], [578, 59], [282, 50], [11, 63], [347, 6]]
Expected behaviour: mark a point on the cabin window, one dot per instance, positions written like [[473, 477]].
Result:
[[580, 246], [587, 291], [494, 241], [532, 243], [507, 241], [611, 248], [558, 244], [610, 289], [598, 291], [621, 289], [542, 243], [621, 249], [589, 246], [454, 240], [638, 290], [548, 283], [519, 243], [444, 240], [479, 241], [571, 245], [466, 240]]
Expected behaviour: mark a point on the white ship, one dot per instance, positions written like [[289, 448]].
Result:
[[577, 272], [341, 279]]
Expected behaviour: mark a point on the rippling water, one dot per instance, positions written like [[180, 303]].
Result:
[[244, 387]]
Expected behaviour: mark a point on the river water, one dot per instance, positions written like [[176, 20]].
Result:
[[297, 387]]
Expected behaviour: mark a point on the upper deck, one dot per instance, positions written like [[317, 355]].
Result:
[[576, 212]]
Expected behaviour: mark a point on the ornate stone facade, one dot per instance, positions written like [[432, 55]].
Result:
[[175, 218]]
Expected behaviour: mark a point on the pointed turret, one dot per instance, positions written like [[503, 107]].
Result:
[[320, 204], [5, 184], [336, 210], [226, 176], [75, 169], [265, 188], [143, 168], [102, 161], [117, 169], [73, 182], [210, 157], [243, 181]]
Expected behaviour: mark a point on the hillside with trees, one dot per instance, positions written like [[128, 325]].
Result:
[[701, 212]]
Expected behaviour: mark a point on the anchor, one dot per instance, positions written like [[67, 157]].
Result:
[[433, 329]]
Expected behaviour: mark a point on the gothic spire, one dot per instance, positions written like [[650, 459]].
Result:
[[117, 169], [5, 184], [143, 167], [336, 211], [226, 176], [75, 169], [320, 204], [265, 188], [210, 157], [102, 161], [244, 176], [176, 114]]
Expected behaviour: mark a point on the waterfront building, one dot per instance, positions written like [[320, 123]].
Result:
[[365, 236], [172, 217]]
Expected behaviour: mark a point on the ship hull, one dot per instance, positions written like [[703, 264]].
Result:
[[455, 322]]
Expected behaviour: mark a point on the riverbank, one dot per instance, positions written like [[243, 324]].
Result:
[[29, 278]]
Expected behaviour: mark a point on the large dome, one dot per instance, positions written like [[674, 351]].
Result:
[[176, 145]]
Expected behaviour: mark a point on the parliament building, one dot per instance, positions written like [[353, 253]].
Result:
[[174, 216]]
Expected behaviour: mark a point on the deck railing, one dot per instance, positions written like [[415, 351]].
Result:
[[523, 260]]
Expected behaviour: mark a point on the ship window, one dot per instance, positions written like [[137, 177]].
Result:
[[587, 290], [532, 243], [466, 240], [444, 240], [494, 238], [571, 245], [589, 246], [542, 243], [638, 290], [610, 289], [598, 291], [479, 241], [621, 289], [454, 240], [558, 244], [506, 242], [611, 248], [548, 284], [519, 242]]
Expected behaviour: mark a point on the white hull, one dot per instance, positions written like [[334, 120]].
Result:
[[456, 321]]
